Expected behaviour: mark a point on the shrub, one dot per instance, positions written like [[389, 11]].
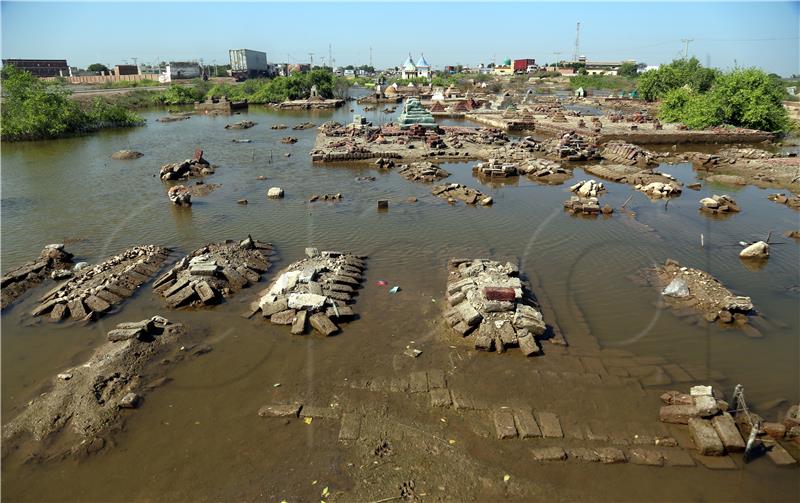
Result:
[[655, 84]]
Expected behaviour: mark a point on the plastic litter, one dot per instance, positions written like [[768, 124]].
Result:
[[676, 288], [394, 289], [381, 283]]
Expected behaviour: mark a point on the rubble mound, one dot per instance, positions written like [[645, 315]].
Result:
[[213, 272], [586, 206], [495, 169], [315, 290], [544, 170], [792, 200], [641, 179], [745, 153], [86, 401], [279, 126], [195, 167], [126, 154], [573, 147], [627, 153], [713, 430], [454, 191], [180, 195], [52, 261], [588, 188], [422, 172], [288, 140], [240, 125], [304, 125], [686, 287], [489, 304], [659, 190], [325, 197], [719, 204], [92, 291]]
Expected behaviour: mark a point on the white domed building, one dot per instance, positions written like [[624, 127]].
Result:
[[421, 69]]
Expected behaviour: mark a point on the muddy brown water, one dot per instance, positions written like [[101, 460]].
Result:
[[199, 438]]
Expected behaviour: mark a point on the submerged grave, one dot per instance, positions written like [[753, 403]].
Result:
[[214, 272], [490, 305], [315, 290]]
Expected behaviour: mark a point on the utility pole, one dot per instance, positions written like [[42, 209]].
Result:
[[370, 55], [311, 57], [557, 54], [330, 56], [686, 42], [577, 42]]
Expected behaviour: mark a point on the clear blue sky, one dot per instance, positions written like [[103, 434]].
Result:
[[763, 34]]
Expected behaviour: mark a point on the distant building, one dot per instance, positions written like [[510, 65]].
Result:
[[421, 69], [349, 72], [180, 71], [604, 67], [41, 67], [126, 70], [504, 69]]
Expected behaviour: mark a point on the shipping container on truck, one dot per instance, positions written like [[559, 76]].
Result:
[[521, 65], [248, 64]]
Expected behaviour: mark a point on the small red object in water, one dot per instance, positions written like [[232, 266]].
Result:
[[198, 154], [381, 283], [499, 293]]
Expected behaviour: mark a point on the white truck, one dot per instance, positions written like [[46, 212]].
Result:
[[248, 64]]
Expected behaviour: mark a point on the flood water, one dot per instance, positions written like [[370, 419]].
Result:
[[191, 435]]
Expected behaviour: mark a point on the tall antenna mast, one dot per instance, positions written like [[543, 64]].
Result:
[[370, 55], [330, 55], [686, 42], [577, 42], [311, 57]]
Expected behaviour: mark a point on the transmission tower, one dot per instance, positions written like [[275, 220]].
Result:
[[577, 42], [686, 42]]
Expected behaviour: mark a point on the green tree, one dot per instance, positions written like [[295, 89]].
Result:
[[98, 67], [655, 84], [743, 97], [35, 109], [628, 69]]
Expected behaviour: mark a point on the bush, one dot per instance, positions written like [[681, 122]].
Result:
[[743, 97], [34, 109], [295, 86], [655, 84], [611, 82], [177, 94]]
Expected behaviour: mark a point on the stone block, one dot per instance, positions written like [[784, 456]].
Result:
[[499, 293], [290, 410], [123, 334], [109, 297], [548, 454], [504, 424], [526, 424], [299, 324], [270, 308], [59, 311], [705, 405], [180, 297], [549, 424], [779, 455], [323, 324], [677, 457], [705, 437], [436, 379], [677, 414], [205, 292], [440, 397], [77, 310], [528, 345], [351, 426], [650, 457], [283, 317], [418, 382], [97, 304], [305, 301], [728, 433], [468, 313], [610, 455]]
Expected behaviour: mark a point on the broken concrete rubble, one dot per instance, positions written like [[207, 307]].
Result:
[[190, 168], [179, 195], [719, 204], [495, 169], [489, 304], [792, 200], [53, 261], [650, 182], [423, 171], [91, 400], [126, 154], [214, 272], [240, 125], [453, 191], [627, 153], [317, 289], [93, 291], [699, 291]]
